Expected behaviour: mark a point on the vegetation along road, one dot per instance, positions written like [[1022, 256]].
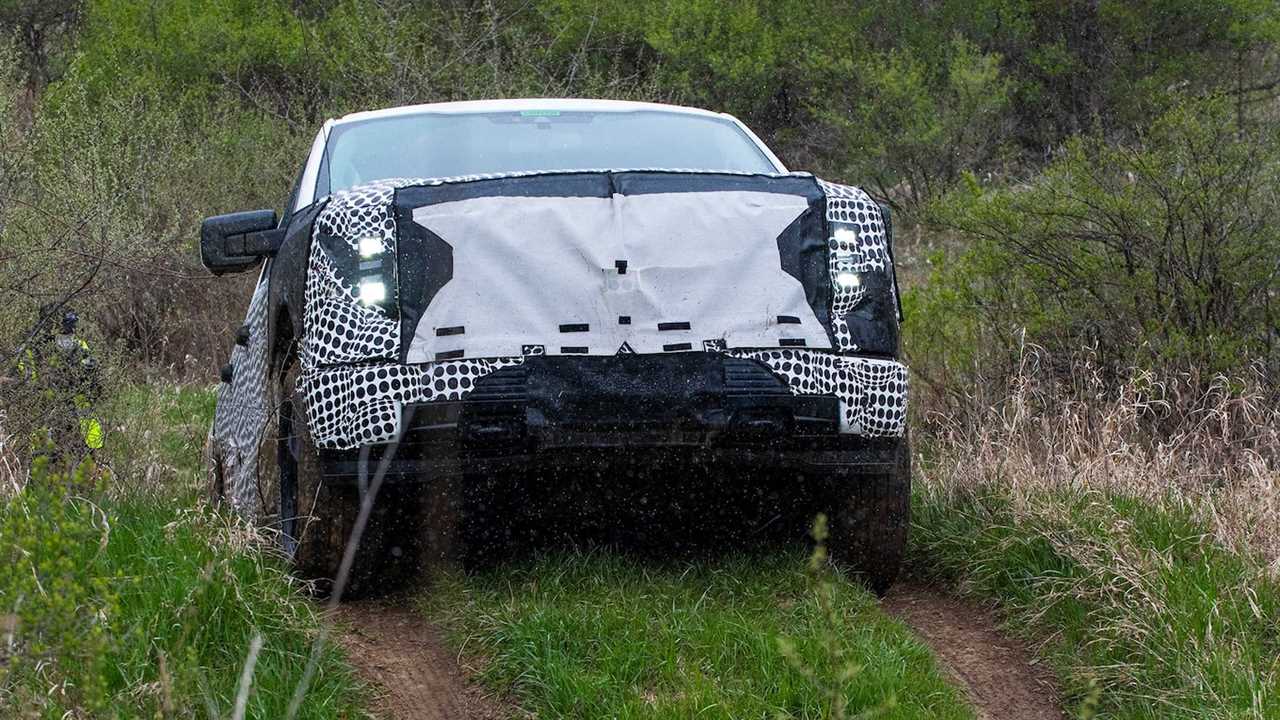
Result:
[[400, 647], [1086, 206]]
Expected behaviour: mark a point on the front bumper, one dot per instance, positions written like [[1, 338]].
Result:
[[706, 408], [461, 438], [784, 390]]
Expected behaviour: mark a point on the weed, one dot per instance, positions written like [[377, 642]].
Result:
[[1134, 533], [601, 635], [115, 604]]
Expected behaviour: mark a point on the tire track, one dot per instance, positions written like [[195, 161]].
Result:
[[403, 656], [1000, 676]]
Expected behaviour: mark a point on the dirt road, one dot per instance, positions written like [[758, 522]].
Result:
[[997, 674], [402, 654]]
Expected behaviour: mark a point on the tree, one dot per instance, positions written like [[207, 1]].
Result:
[[39, 28]]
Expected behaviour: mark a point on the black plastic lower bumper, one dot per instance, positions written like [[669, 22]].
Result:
[[555, 411]]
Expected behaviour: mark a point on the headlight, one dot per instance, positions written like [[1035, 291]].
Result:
[[849, 268], [370, 247], [844, 236], [372, 292], [366, 265], [848, 280], [863, 299]]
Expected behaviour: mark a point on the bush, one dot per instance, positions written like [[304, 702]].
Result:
[[1165, 254], [132, 608], [927, 124]]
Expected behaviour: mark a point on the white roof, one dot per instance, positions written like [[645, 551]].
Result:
[[306, 193], [522, 104]]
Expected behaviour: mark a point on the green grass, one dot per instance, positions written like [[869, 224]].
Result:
[[155, 438], [603, 636], [1134, 596], [128, 599]]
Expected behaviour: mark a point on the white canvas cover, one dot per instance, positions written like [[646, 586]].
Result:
[[527, 267]]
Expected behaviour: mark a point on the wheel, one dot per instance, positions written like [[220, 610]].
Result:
[[317, 519], [869, 518], [215, 478]]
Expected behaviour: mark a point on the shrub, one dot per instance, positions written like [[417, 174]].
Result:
[[1165, 254], [927, 123], [132, 608]]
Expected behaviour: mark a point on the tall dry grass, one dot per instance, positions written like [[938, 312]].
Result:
[[1209, 445], [1131, 528], [13, 471]]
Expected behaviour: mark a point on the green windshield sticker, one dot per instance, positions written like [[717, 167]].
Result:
[[539, 113]]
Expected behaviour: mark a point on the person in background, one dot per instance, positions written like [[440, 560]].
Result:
[[65, 375]]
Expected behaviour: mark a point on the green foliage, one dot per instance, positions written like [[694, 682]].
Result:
[[131, 609], [57, 627], [191, 47], [1112, 65], [156, 441], [604, 636], [926, 124], [1161, 254], [839, 668], [1137, 598], [744, 57], [160, 113]]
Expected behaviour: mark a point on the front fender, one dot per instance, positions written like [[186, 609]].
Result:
[[287, 284]]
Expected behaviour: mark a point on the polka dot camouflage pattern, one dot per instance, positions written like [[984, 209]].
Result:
[[242, 413], [857, 244], [351, 406], [354, 406], [364, 211], [338, 329], [872, 393]]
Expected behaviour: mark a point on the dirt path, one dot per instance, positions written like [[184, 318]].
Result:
[[403, 656], [997, 674]]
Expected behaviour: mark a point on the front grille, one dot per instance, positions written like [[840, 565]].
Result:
[[748, 377], [505, 385]]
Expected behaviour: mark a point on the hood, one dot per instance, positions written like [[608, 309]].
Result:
[[596, 263], [607, 263]]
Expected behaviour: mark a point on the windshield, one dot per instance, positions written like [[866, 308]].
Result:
[[449, 145]]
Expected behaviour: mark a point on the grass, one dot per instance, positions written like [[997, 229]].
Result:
[[126, 598], [155, 439], [1133, 596], [604, 636], [1142, 563]]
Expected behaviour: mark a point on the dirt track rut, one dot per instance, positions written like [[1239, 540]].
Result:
[[402, 654], [998, 674]]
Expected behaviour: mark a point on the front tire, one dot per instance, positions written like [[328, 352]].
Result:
[[870, 516], [318, 518]]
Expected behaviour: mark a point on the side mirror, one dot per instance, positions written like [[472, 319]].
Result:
[[236, 242]]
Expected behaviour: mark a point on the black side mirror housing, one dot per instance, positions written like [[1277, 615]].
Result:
[[237, 242]]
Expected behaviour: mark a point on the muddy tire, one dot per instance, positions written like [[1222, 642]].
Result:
[[215, 477], [318, 519], [869, 518]]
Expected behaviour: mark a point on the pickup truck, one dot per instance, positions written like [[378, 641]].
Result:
[[461, 290]]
